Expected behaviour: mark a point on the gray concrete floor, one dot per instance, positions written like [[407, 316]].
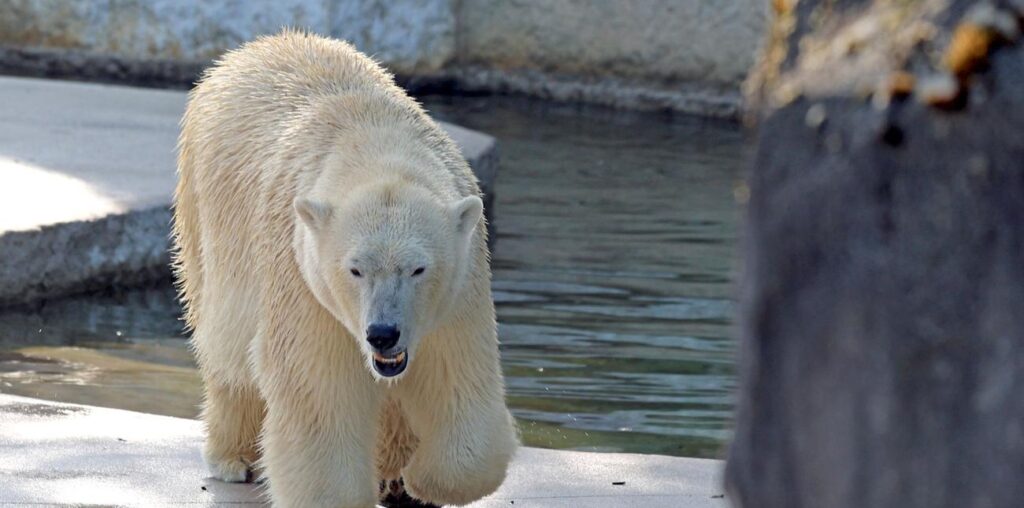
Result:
[[64, 454]]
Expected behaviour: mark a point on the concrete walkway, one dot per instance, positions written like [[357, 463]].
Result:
[[65, 454], [86, 177]]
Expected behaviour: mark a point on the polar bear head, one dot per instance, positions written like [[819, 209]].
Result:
[[387, 260]]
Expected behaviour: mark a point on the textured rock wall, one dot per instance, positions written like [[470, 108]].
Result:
[[882, 333], [409, 35], [660, 41]]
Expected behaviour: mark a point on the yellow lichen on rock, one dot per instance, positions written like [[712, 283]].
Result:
[[968, 50]]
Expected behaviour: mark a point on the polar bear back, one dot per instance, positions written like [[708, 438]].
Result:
[[258, 95]]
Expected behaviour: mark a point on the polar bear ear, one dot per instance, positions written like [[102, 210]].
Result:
[[467, 212], [314, 213]]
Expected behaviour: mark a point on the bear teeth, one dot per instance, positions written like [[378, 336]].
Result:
[[399, 358]]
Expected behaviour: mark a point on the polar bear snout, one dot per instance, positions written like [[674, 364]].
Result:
[[382, 337], [389, 360]]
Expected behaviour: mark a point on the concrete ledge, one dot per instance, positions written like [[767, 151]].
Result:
[[698, 98], [124, 249], [85, 66], [52, 453], [86, 178], [702, 99]]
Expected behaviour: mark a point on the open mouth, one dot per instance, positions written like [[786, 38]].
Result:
[[390, 365]]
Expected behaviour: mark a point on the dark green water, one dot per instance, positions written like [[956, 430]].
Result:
[[612, 276]]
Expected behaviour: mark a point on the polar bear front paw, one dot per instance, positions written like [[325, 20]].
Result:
[[231, 470], [453, 489]]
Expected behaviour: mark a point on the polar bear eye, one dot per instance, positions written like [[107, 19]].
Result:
[[418, 271], [355, 272]]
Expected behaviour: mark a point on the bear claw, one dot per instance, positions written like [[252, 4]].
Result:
[[395, 496], [231, 471]]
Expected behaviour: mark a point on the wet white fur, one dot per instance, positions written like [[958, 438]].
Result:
[[296, 121]]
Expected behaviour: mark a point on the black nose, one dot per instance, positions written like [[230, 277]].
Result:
[[382, 337]]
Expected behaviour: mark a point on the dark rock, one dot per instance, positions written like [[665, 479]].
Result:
[[882, 296]]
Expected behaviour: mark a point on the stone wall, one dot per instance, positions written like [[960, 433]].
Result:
[[687, 55], [411, 36], [657, 41]]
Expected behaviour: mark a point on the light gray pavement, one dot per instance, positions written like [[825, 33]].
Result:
[[52, 453], [86, 178]]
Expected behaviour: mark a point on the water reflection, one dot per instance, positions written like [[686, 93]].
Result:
[[611, 274], [612, 270]]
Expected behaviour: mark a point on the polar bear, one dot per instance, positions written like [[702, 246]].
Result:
[[331, 255]]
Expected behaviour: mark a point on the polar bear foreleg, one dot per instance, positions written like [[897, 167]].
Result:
[[326, 463], [233, 417], [466, 434], [320, 432]]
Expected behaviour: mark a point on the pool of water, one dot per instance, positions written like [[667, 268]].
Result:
[[612, 277]]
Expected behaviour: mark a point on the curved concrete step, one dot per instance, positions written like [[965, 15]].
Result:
[[86, 178]]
